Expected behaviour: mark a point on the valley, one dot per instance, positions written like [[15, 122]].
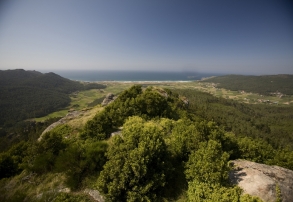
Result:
[[158, 141], [84, 99]]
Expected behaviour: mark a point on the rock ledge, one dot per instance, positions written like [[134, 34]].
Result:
[[261, 180]]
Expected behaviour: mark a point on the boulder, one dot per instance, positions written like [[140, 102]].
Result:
[[262, 180], [108, 99], [95, 194]]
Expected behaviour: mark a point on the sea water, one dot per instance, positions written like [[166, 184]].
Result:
[[95, 75]]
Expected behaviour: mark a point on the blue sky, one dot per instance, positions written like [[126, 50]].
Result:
[[227, 36]]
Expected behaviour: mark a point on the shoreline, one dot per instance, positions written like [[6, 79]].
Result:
[[179, 81]]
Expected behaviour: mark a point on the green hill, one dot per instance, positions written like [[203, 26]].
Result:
[[265, 85], [149, 144], [13, 77], [28, 94]]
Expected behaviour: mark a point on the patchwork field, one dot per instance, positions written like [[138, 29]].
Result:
[[87, 99], [245, 97]]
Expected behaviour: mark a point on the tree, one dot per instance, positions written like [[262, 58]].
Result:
[[41, 156], [137, 167], [256, 150], [8, 167], [80, 160], [207, 172], [205, 192], [209, 164]]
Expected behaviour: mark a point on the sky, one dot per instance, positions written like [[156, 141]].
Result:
[[227, 36]]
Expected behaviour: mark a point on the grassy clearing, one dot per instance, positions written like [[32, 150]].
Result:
[[60, 113], [82, 99], [81, 120], [33, 186]]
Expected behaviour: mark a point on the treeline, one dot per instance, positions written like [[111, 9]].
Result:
[[166, 150], [271, 123], [22, 131], [28, 94], [264, 85]]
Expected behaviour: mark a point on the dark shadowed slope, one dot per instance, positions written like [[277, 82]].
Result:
[[27, 94]]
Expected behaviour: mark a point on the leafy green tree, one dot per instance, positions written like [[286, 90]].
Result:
[[80, 160], [256, 150], [8, 167], [132, 92], [184, 138], [137, 167], [98, 127], [209, 164], [41, 156], [205, 192], [283, 157], [207, 172], [154, 104], [249, 198], [11, 160]]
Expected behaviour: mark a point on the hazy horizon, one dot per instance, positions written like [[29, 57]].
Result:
[[221, 37]]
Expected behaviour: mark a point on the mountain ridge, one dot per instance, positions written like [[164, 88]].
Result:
[[28, 94]]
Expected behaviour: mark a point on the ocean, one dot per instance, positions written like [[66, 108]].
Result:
[[90, 75]]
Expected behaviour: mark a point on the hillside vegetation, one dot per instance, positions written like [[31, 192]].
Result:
[[166, 146], [29, 94], [265, 85], [269, 122]]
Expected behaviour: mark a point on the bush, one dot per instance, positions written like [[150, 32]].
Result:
[[80, 160], [137, 166]]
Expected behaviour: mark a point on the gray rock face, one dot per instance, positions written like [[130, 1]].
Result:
[[185, 101], [118, 132], [261, 180], [162, 92], [95, 194], [63, 120], [108, 99]]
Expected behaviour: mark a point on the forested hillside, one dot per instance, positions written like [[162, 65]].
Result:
[[167, 146], [28, 94], [271, 123], [265, 85]]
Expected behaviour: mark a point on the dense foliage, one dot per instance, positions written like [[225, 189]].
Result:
[[137, 167], [165, 149], [29, 94], [271, 123], [264, 85], [148, 104], [22, 131]]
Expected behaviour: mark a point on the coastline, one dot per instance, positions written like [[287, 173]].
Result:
[[139, 82], [133, 76]]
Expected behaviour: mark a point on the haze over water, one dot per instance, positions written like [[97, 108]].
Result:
[[91, 75]]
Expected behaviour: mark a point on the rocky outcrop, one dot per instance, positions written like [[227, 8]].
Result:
[[185, 100], [95, 194], [108, 99], [162, 92], [262, 180], [63, 120], [119, 132]]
